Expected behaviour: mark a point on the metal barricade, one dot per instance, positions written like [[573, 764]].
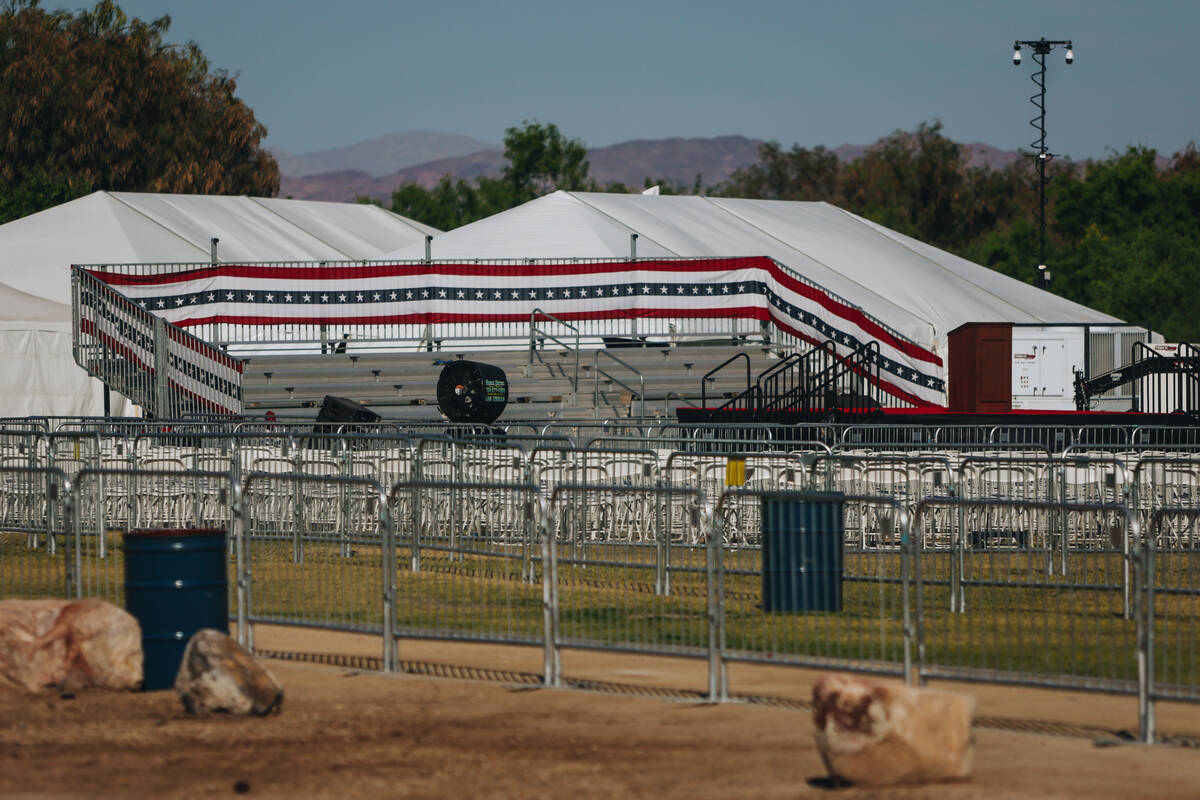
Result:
[[98, 541], [305, 569], [872, 632], [477, 584], [1020, 570], [35, 554], [616, 597], [1170, 593], [1015, 621]]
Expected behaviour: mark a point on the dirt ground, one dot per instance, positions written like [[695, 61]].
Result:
[[348, 734]]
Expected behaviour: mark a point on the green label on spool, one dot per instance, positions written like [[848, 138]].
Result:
[[495, 391]]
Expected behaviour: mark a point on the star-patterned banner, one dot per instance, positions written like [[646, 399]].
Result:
[[420, 293], [114, 334]]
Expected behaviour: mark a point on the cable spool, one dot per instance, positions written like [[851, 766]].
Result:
[[468, 391]]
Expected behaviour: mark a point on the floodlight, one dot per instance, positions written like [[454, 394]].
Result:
[[1016, 56], [1070, 56]]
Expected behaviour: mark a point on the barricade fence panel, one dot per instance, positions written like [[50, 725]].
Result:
[[1003, 605], [1173, 602], [616, 587], [808, 593], [35, 545], [470, 565], [1022, 569], [140, 496], [309, 557]]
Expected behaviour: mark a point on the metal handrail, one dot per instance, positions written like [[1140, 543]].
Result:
[[534, 330], [596, 382], [718, 368]]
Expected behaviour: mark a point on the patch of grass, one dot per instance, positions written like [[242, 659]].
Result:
[[1022, 614]]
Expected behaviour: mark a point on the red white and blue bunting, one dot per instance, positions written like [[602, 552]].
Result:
[[376, 294]]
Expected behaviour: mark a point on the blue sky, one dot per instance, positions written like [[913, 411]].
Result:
[[321, 74]]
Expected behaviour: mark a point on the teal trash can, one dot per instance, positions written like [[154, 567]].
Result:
[[802, 559], [175, 584]]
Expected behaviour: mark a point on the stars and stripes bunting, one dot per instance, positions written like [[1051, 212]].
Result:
[[199, 378], [421, 293]]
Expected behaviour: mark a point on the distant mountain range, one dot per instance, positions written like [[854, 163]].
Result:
[[374, 168], [381, 156]]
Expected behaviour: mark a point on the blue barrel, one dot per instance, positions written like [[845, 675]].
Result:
[[175, 584], [802, 544]]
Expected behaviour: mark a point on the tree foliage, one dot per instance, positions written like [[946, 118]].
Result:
[[798, 174], [540, 160], [97, 100]]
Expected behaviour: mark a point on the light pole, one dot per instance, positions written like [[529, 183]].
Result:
[[1041, 48]]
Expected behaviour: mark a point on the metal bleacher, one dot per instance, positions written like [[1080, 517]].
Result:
[[610, 382]]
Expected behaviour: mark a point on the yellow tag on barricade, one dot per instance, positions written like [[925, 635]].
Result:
[[735, 471]]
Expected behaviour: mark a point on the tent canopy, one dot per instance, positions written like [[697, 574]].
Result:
[[918, 290], [36, 252]]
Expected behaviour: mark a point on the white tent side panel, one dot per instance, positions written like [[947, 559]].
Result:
[[42, 378]]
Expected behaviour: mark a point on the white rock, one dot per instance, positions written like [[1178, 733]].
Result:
[[878, 734], [219, 675], [69, 644]]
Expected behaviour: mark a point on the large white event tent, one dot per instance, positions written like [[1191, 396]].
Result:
[[36, 253], [918, 290]]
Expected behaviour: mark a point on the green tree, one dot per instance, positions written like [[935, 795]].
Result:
[[912, 182], [97, 100], [798, 174], [542, 160], [451, 204], [1148, 275]]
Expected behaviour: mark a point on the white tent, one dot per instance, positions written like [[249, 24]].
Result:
[[40, 376], [36, 253], [918, 290]]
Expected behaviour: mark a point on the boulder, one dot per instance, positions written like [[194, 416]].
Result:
[[219, 675], [69, 644], [877, 734]]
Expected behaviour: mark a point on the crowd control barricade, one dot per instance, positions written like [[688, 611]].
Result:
[[738, 521], [481, 583], [613, 595], [872, 631], [903, 478], [442, 516], [98, 541], [991, 610], [996, 574], [36, 558], [303, 564], [597, 523], [1169, 591]]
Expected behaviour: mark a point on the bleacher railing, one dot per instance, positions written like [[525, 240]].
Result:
[[159, 366], [310, 307]]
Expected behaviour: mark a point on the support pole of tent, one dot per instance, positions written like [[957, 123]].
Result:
[[633, 237], [107, 402], [212, 261], [428, 248]]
